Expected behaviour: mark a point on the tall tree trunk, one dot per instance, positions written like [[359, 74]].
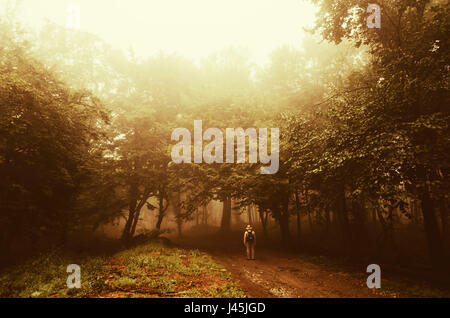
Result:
[[432, 231], [177, 210], [327, 219], [284, 228], [226, 215], [299, 225], [310, 222], [263, 215], [284, 221], [341, 209], [249, 212], [308, 210], [359, 230], [205, 214]]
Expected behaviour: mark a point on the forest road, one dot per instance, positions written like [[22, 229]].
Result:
[[277, 274]]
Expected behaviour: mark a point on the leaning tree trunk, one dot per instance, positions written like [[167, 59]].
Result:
[[137, 214], [129, 223], [160, 214], [132, 205], [135, 221], [162, 208]]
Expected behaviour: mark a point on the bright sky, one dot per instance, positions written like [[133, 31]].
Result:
[[191, 28]]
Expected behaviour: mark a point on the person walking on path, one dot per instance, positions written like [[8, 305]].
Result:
[[250, 242]]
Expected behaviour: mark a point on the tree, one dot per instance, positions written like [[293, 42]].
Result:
[[402, 107], [49, 146]]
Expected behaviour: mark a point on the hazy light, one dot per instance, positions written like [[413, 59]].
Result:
[[192, 28], [73, 19]]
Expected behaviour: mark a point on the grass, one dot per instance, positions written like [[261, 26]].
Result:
[[150, 270]]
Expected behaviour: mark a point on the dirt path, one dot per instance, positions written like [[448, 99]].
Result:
[[278, 274], [273, 275]]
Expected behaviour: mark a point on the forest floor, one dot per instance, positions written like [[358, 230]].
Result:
[[278, 273], [201, 265], [154, 269]]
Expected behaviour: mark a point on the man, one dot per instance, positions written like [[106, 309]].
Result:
[[250, 242]]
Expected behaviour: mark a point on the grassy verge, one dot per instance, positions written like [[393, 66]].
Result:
[[150, 270]]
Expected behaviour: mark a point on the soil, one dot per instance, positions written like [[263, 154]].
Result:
[[280, 274]]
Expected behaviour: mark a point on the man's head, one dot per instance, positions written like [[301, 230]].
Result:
[[249, 228]]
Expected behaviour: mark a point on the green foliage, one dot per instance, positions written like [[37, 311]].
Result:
[[147, 270], [45, 276], [50, 147]]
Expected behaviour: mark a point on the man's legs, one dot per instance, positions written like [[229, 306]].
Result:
[[247, 245], [252, 256]]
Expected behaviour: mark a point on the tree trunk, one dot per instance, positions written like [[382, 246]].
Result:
[[162, 208], [308, 211], [263, 215], [327, 219], [160, 214], [137, 214], [205, 214], [297, 207], [284, 221], [343, 220], [135, 221], [226, 215], [284, 228], [445, 220], [197, 217], [133, 198], [128, 224], [432, 231], [177, 209]]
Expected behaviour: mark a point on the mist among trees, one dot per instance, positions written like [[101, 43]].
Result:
[[364, 142]]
